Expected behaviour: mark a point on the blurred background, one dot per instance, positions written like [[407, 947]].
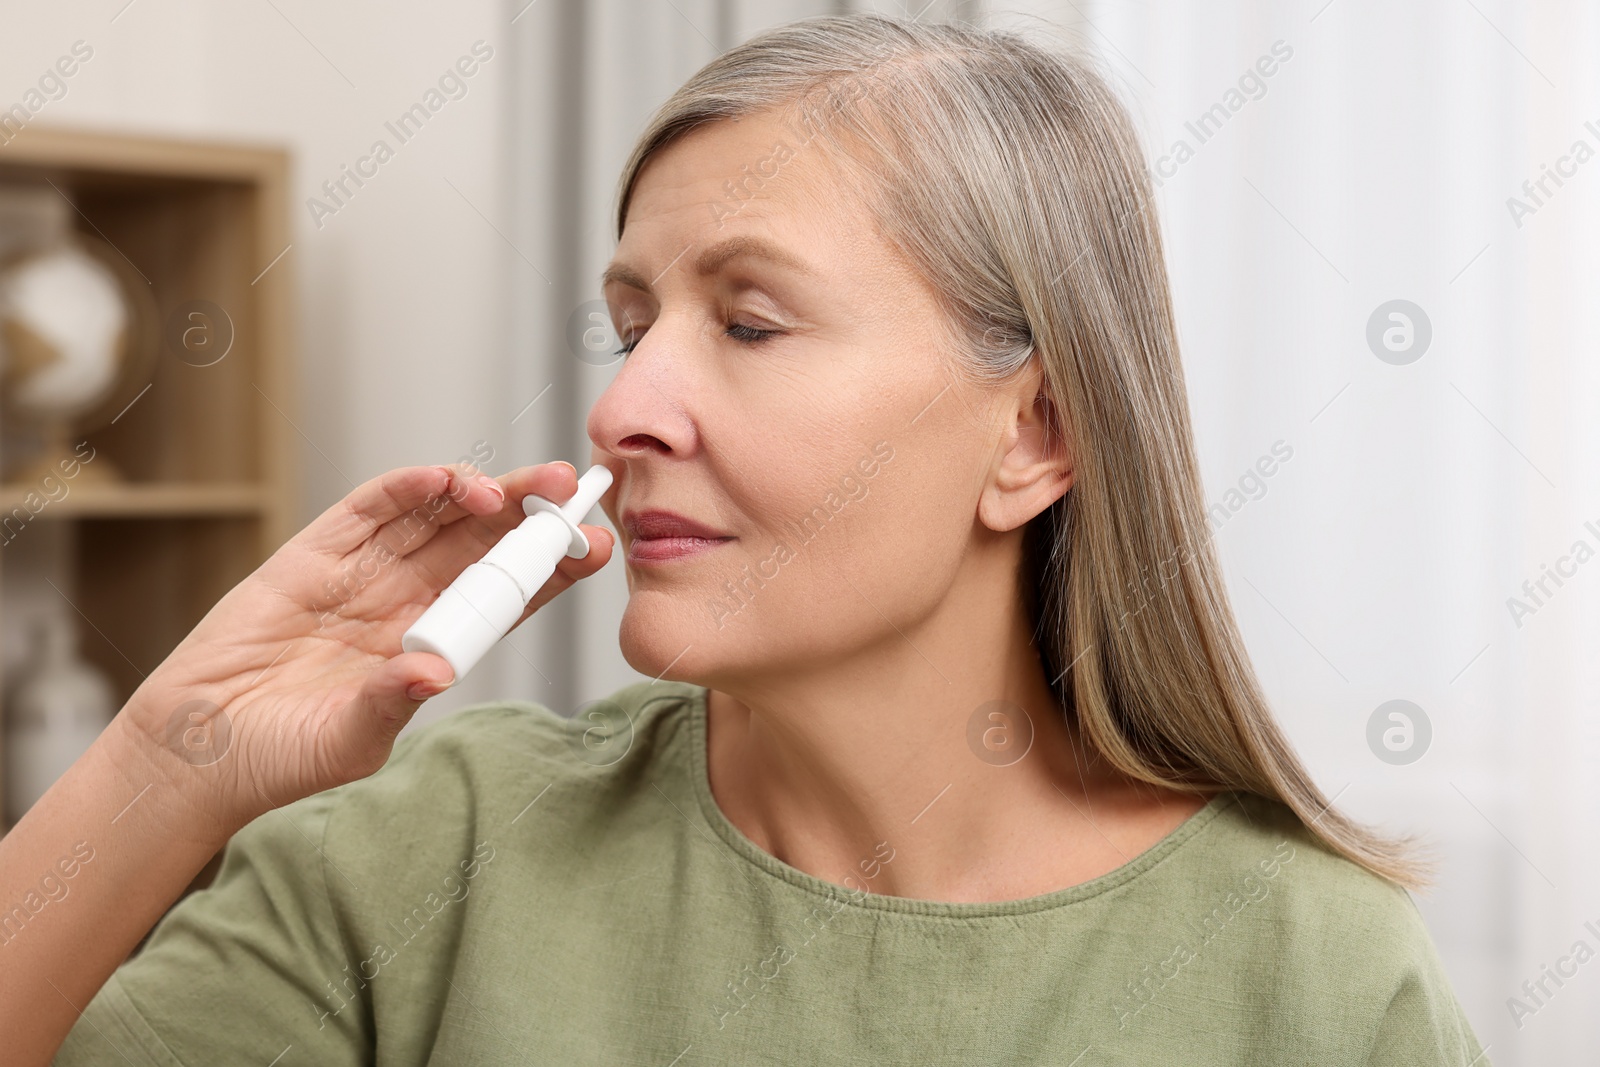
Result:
[[223, 305]]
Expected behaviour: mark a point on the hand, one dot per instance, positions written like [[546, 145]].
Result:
[[295, 681]]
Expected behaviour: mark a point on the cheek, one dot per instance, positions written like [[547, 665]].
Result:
[[831, 559]]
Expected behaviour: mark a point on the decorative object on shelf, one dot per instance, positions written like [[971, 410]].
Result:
[[78, 337], [55, 712]]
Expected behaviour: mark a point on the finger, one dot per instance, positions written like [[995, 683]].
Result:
[[552, 480], [387, 700], [467, 496], [444, 558], [601, 544], [377, 501]]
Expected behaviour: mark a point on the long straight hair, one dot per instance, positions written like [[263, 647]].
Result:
[[1012, 177]]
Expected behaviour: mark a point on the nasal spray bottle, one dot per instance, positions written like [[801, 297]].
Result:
[[486, 600]]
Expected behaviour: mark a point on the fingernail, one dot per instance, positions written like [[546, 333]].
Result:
[[424, 690], [569, 467], [491, 484]]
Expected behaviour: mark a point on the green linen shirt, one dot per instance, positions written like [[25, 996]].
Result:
[[516, 887]]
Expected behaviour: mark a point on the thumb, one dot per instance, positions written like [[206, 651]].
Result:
[[388, 698]]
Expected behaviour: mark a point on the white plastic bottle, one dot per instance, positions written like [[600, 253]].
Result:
[[485, 601]]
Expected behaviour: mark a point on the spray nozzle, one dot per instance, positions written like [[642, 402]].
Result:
[[591, 487]]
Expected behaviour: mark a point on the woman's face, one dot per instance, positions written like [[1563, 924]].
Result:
[[786, 388]]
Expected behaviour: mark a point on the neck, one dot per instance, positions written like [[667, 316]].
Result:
[[837, 765]]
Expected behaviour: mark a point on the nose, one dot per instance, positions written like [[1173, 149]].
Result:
[[643, 411]]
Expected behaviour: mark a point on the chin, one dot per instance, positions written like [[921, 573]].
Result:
[[665, 635]]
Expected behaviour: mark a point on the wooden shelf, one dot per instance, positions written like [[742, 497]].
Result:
[[154, 500], [200, 476]]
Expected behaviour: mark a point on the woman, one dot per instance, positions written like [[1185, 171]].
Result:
[[954, 755]]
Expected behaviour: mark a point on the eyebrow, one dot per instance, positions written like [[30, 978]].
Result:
[[712, 260]]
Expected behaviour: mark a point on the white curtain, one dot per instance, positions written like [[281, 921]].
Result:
[[1339, 156]]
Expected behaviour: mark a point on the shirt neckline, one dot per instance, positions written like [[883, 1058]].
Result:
[[772, 866]]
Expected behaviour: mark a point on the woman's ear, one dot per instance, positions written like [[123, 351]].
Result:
[[1033, 463]]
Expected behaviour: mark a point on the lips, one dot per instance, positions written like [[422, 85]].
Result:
[[661, 523], [658, 535]]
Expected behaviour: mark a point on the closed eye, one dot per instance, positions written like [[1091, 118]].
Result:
[[738, 331], [749, 334]]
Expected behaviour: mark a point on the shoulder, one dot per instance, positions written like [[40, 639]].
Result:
[[1258, 855], [481, 743], [508, 782], [1336, 935], [1328, 901], [480, 770], [451, 783], [482, 732], [628, 726]]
